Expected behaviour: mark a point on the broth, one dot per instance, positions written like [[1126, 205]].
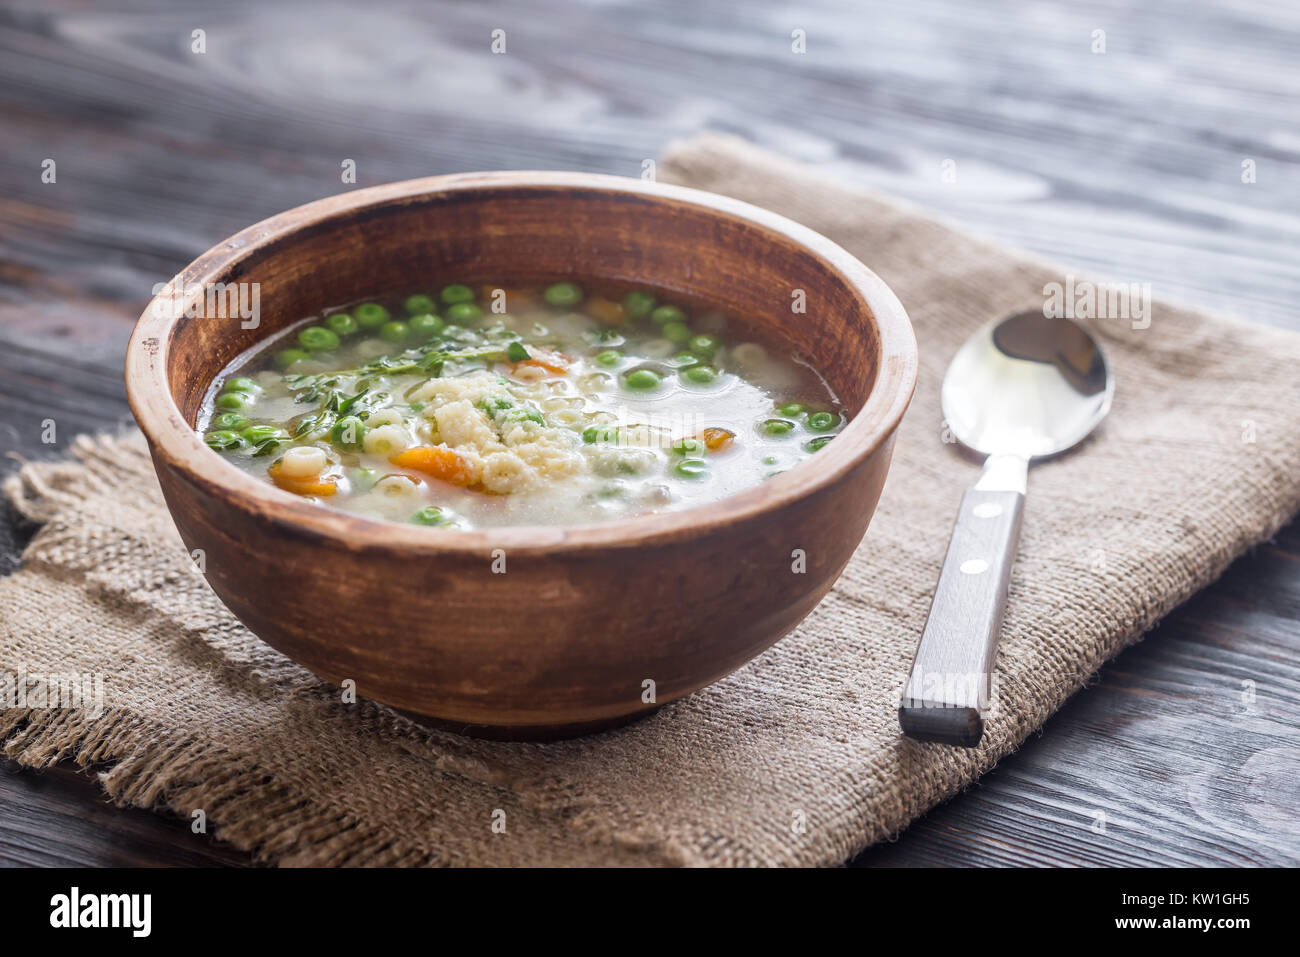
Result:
[[492, 406]]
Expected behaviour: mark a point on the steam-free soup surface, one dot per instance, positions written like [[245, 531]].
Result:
[[484, 406]]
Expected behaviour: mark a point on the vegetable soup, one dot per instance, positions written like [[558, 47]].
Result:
[[486, 406]]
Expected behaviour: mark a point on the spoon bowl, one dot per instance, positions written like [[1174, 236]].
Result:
[[1026, 386]]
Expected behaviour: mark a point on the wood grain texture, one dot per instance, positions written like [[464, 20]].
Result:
[[1126, 163], [52, 819]]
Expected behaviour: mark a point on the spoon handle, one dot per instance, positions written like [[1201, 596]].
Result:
[[949, 687]]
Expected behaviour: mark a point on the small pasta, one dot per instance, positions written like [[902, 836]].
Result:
[[387, 440], [384, 417], [398, 488], [566, 418], [505, 473], [303, 461]]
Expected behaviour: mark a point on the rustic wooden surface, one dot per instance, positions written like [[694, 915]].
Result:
[[1126, 163]]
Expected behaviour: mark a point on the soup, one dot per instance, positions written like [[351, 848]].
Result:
[[494, 406]]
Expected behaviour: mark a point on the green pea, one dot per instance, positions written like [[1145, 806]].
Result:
[[778, 427], [463, 312], [705, 345], [594, 434], [233, 401], [699, 375], [666, 314], [223, 440], [348, 432], [638, 304], [241, 384], [823, 421], [394, 331], [229, 420], [364, 479], [677, 332], [690, 447], [642, 379], [770, 460], [318, 339], [684, 359], [563, 294], [257, 434], [341, 324], [430, 515], [813, 445], [792, 410], [287, 357], [457, 293], [691, 468], [523, 415], [419, 305], [492, 404], [370, 315], [610, 357], [425, 325]]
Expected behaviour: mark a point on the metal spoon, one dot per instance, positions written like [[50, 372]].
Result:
[[1025, 387]]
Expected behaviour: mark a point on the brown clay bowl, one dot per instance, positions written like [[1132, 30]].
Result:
[[583, 617]]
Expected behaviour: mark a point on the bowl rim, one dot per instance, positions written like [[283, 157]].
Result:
[[174, 444]]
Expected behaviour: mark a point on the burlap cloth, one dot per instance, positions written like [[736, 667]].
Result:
[[796, 758]]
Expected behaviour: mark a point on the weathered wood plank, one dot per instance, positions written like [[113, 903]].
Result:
[[1127, 163]]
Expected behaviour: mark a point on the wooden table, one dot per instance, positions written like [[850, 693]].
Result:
[[1126, 163]]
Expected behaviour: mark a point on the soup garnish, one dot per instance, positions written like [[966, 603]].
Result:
[[479, 407]]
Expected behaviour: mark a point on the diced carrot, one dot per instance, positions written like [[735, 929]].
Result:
[[716, 439], [555, 363], [437, 461], [312, 485], [606, 310]]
